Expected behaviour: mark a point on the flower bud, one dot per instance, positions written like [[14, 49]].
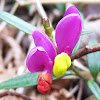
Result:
[[48, 28], [44, 82], [61, 63], [46, 23]]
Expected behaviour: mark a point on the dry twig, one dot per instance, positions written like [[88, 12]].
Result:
[[27, 2], [1, 58], [80, 90], [80, 65], [71, 93], [41, 9], [17, 52], [2, 4], [12, 92]]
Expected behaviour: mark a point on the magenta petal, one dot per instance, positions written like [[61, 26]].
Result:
[[49, 67], [38, 60], [68, 31], [71, 10], [42, 40]]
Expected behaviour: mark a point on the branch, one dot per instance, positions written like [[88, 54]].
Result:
[[27, 2], [12, 92], [86, 50]]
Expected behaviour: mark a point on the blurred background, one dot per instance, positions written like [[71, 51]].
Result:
[[15, 45]]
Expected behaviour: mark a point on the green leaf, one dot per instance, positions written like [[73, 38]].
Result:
[[77, 46], [79, 41], [93, 86], [82, 18], [84, 31], [93, 60], [17, 22], [21, 24], [26, 80]]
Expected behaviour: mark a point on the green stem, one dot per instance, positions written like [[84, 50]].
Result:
[[78, 73], [97, 81], [81, 76]]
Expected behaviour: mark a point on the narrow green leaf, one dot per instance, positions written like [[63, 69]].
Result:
[[79, 41], [94, 89], [17, 22], [84, 31], [93, 60], [26, 80], [21, 24], [77, 46], [82, 18]]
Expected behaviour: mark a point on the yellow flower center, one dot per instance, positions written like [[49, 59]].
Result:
[[61, 63]]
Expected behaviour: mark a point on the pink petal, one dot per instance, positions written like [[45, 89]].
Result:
[[38, 60], [42, 40], [71, 10], [68, 31]]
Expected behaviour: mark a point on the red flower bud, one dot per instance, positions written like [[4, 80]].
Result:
[[44, 82]]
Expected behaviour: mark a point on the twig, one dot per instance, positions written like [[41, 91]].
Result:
[[70, 77], [12, 92], [41, 9], [10, 55], [14, 8], [68, 94], [80, 65], [1, 58], [80, 90], [4, 93], [32, 9], [17, 53], [86, 50], [92, 17], [72, 92], [2, 4], [90, 98], [24, 2]]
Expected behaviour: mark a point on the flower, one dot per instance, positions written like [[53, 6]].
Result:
[[44, 56], [44, 82]]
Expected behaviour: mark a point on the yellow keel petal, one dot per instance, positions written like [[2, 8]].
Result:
[[61, 63]]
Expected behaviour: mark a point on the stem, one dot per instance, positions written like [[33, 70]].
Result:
[[86, 50], [78, 73]]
